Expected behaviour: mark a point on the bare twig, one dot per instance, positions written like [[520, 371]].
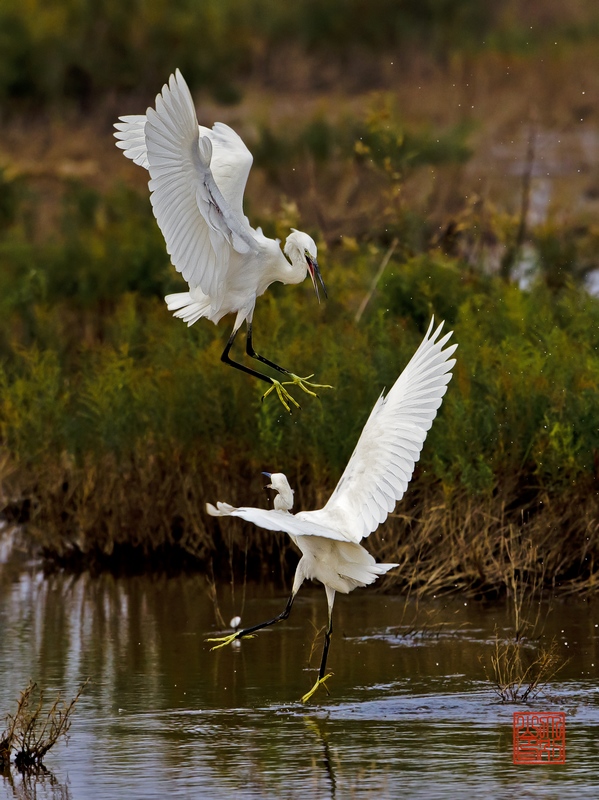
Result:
[[514, 252], [377, 277], [213, 595], [514, 681], [31, 735]]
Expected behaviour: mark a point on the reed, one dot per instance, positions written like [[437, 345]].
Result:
[[519, 674], [34, 728], [146, 511], [117, 423]]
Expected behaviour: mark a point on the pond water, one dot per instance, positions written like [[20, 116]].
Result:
[[410, 714]]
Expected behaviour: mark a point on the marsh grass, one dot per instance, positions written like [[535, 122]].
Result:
[[151, 516], [35, 727], [519, 674], [476, 545], [118, 424], [522, 664]]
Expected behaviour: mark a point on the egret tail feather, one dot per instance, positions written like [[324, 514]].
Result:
[[187, 308]]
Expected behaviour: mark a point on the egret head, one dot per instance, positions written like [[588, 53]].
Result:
[[301, 249], [284, 498]]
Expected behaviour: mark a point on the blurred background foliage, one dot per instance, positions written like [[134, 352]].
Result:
[[117, 422], [61, 50]]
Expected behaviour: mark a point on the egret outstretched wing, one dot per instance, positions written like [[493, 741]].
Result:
[[378, 473], [198, 224], [231, 160], [273, 520], [375, 478], [230, 165]]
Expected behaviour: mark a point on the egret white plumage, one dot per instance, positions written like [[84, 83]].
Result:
[[197, 180], [374, 480]]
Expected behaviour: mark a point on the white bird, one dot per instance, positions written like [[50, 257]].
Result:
[[374, 480], [197, 180]]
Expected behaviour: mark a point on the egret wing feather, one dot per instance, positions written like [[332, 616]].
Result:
[[381, 466], [132, 138], [231, 164], [273, 520], [200, 235]]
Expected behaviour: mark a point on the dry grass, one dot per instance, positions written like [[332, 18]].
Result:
[[519, 674], [150, 513], [478, 545], [494, 91], [147, 508], [33, 729]]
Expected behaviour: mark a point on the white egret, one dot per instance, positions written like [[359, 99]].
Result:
[[197, 180], [375, 478]]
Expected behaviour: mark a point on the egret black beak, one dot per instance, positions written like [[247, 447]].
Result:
[[314, 271], [268, 474]]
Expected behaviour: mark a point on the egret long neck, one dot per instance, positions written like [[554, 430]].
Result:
[[275, 266], [296, 269], [284, 500]]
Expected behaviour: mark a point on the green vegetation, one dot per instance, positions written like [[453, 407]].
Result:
[[73, 51], [118, 422]]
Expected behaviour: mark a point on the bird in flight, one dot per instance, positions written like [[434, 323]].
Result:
[[197, 180], [374, 480]]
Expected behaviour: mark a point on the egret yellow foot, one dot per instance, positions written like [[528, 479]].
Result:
[[319, 682], [225, 640], [304, 382], [282, 394]]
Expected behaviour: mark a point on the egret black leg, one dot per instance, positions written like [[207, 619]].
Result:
[[283, 615], [227, 360], [322, 678], [325, 652], [284, 395], [249, 349], [275, 385], [224, 640]]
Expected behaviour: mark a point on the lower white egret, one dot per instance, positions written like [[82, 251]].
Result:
[[197, 180], [375, 478]]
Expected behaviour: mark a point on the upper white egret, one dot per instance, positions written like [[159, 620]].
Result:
[[375, 478], [197, 180]]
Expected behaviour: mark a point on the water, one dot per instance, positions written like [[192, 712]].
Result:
[[411, 713]]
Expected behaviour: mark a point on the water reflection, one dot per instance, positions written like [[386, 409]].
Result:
[[40, 785], [410, 713], [320, 729]]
